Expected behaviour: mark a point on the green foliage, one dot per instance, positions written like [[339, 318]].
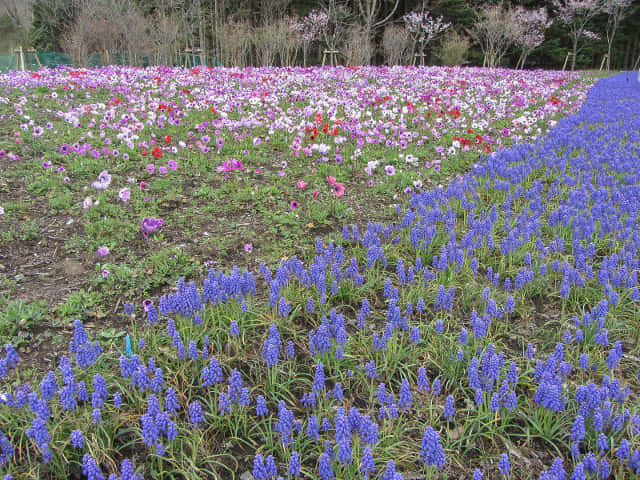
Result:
[[19, 315]]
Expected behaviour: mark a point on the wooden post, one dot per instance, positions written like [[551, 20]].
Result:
[[332, 56], [519, 61], [35, 54], [203, 61], [604, 59], [352, 56], [566, 59], [420, 56], [21, 53]]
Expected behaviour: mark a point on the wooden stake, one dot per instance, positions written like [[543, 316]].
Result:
[[21, 53], [566, 59], [332, 56], [604, 59], [35, 54]]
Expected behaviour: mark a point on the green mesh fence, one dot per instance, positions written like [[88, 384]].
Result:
[[8, 62], [33, 61]]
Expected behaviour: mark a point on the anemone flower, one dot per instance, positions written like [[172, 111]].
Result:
[[150, 225]]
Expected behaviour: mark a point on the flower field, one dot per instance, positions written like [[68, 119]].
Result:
[[381, 273]]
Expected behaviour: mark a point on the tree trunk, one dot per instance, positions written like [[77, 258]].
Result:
[[575, 53], [202, 35], [610, 40]]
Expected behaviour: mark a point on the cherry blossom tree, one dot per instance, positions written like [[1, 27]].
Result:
[[424, 28], [335, 30], [533, 24], [576, 14], [616, 10], [496, 30], [309, 29]]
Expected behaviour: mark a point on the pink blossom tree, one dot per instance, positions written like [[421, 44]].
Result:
[[616, 10], [309, 29], [576, 14], [423, 28], [533, 24]]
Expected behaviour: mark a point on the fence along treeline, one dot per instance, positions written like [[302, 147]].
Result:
[[279, 32]]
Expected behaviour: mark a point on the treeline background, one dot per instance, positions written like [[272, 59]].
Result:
[[252, 32]]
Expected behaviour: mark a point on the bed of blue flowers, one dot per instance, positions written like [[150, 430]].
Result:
[[490, 332]]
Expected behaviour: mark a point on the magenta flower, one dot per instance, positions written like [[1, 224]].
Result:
[[248, 247], [150, 225], [390, 170], [103, 251], [172, 165], [338, 188], [162, 170], [150, 168], [294, 205], [146, 304], [105, 273], [46, 164]]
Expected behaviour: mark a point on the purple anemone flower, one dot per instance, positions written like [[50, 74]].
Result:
[[150, 225]]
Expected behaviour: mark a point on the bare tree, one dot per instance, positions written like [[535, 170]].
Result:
[[338, 15], [396, 43], [358, 45], [234, 41], [135, 37], [19, 11], [164, 36], [496, 30], [454, 48], [368, 13], [272, 11], [107, 27], [271, 40]]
